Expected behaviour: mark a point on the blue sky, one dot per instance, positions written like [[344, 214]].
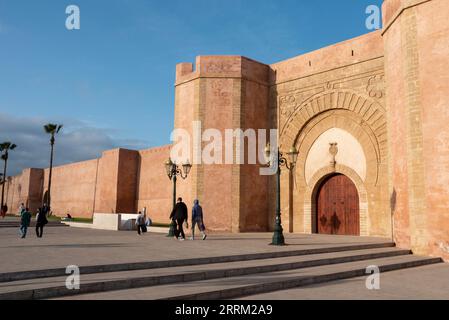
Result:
[[111, 83]]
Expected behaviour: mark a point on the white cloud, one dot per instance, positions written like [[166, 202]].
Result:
[[78, 141]]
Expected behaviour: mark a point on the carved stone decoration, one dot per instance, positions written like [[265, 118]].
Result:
[[218, 67], [333, 150], [221, 96], [287, 105], [375, 87]]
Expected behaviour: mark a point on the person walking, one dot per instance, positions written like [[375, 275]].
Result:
[[45, 209], [197, 219], [141, 224], [21, 208], [4, 210], [179, 215], [41, 221], [25, 219]]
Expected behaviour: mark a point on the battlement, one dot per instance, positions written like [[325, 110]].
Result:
[[391, 9], [223, 67]]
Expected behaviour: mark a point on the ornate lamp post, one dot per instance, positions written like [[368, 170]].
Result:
[[173, 171], [278, 236]]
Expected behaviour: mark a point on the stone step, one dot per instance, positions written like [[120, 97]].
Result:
[[238, 287], [16, 224], [45, 273], [91, 283]]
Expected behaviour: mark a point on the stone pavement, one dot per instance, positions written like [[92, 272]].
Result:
[[423, 283], [225, 266], [61, 247]]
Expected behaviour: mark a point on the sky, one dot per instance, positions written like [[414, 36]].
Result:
[[111, 83]]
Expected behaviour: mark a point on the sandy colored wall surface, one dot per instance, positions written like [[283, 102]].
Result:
[[127, 181], [397, 125], [154, 189], [433, 43], [73, 188], [254, 187], [353, 51], [25, 188], [416, 43], [225, 92]]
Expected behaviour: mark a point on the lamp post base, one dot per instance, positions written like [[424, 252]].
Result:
[[171, 232], [278, 236]]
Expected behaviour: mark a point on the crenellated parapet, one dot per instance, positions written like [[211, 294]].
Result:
[[231, 67]]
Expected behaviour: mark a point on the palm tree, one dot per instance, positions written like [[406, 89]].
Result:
[[52, 130], [5, 147]]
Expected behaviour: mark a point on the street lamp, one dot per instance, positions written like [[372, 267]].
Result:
[[173, 171], [278, 236]]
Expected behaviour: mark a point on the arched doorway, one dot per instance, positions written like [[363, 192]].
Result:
[[337, 206]]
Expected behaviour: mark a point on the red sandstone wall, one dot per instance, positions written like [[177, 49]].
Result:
[[107, 179], [25, 188], [36, 188], [119, 182], [365, 47], [154, 189], [254, 187], [127, 181], [73, 188], [225, 92], [397, 127], [186, 111], [433, 42], [218, 181], [416, 34], [14, 195]]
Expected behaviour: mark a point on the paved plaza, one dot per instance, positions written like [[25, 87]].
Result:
[[247, 261], [65, 246]]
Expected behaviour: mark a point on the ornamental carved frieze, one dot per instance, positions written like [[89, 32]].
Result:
[[289, 102], [218, 67], [376, 86], [287, 105]]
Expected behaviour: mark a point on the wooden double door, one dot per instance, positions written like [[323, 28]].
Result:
[[337, 205]]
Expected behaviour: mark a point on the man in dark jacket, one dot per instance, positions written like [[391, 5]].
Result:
[[179, 215], [41, 221], [197, 219]]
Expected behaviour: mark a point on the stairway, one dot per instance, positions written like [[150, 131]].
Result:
[[226, 277], [15, 223]]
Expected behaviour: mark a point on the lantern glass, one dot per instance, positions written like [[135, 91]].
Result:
[[293, 155], [169, 168], [187, 167], [268, 152]]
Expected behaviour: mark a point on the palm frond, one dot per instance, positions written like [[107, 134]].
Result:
[[52, 128], [7, 146]]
